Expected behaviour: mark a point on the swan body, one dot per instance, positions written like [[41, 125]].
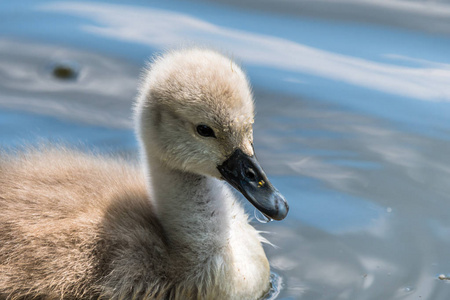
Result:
[[83, 226]]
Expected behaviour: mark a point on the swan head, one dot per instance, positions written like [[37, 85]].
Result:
[[195, 113]]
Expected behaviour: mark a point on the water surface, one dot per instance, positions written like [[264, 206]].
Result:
[[353, 106]]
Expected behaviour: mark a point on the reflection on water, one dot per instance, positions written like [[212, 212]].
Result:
[[352, 120], [169, 28], [430, 16], [18, 129], [101, 94]]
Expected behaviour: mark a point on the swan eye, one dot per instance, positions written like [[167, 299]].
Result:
[[205, 130]]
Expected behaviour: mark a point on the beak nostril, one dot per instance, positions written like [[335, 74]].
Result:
[[250, 174]]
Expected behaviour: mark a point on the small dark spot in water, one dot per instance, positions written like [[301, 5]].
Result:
[[64, 72]]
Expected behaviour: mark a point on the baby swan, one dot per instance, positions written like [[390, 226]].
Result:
[[80, 226]]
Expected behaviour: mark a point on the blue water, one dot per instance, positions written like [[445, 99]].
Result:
[[352, 125], [19, 128]]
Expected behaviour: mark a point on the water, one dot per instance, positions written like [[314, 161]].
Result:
[[276, 283], [352, 121]]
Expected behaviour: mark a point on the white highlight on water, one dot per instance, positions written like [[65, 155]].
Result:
[[276, 284]]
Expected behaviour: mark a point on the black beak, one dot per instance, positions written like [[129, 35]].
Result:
[[245, 174]]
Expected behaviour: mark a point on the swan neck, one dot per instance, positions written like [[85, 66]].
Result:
[[192, 208], [207, 233]]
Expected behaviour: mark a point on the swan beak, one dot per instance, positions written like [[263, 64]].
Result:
[[245, 174]]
